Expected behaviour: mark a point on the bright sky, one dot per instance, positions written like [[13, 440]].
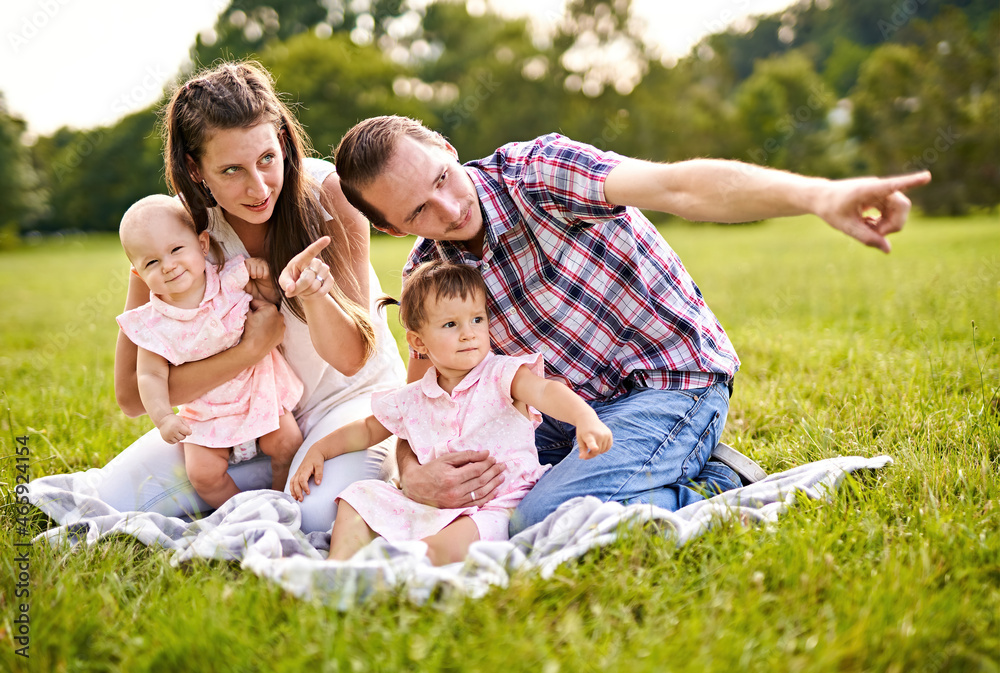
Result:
[[84, 63]]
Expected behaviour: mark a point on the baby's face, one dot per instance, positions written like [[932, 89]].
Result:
[[167, 255], [456, 336]]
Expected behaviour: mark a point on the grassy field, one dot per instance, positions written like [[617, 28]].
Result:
[[844, 350]]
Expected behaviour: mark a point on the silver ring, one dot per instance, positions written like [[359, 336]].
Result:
[[473, 496]]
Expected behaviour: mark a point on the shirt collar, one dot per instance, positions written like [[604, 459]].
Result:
[[500, 213], [430, 387], [212, 287]]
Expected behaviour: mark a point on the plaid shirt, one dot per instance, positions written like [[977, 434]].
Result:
[[591, 286]]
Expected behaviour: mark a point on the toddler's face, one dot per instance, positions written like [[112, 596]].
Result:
[[456, 336], [168, 256]]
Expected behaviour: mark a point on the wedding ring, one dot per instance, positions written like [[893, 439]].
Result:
[[473, 496]]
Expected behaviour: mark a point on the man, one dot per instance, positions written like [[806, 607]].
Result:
[[577, 273]]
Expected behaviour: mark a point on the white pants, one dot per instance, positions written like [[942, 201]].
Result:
[[149, 475]]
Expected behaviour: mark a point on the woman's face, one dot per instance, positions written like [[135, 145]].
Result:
[[244, 169]]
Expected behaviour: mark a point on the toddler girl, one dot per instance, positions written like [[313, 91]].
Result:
[[469, 399], [196, 310]]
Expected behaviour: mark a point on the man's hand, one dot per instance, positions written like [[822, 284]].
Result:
[[869, 209], [455, 480]]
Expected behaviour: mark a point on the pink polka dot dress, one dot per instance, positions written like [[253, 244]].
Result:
[[241, 409], [479, 414]]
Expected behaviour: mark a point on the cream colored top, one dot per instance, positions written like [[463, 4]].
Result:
[[324, 387]]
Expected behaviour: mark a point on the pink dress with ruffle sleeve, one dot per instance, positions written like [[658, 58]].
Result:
[[479, 414], [243, 408]]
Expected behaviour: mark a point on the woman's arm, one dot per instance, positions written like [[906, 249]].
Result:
[[263, 331], [358, 236], [333, 333]]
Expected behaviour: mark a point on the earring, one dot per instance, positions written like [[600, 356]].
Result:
[[207, 193]]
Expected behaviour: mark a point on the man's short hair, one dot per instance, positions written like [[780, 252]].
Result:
[[365, 150]]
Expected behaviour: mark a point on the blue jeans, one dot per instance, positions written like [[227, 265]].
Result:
[[662, 440]]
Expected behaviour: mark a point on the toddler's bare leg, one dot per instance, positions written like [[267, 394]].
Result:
[[350, 533], [206, 470], [281, 446], [451, 545]]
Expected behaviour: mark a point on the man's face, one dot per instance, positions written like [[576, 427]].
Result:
[[424, 191]]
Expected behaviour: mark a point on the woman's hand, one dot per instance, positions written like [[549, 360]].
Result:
[[312, 466], [263, 330], [260, 285], [306, 275]]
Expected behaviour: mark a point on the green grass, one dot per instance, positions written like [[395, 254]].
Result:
[[845, 351]]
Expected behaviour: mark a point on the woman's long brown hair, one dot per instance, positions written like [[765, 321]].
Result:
[[241, 95]]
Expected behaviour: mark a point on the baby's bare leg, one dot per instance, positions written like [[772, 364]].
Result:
[[451, 545], [206, 470], [281, 445], [350, 533]]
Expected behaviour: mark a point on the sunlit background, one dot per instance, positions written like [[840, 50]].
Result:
[[84, 63], [824, 87]]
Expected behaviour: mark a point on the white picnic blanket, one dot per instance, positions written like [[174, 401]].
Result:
[[261, 529]]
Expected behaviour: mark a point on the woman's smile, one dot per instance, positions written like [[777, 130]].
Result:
[[259, 207]]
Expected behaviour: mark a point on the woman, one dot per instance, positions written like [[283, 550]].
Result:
[[236, 156]]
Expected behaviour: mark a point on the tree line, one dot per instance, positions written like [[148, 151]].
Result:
[[828, 87]]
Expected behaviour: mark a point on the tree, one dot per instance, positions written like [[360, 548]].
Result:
[[336, 83], [247, 27], [492, 84], [783, 108], [23, 201], [932, 105], [93, 176]]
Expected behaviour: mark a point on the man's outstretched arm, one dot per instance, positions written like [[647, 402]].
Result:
[[713, 190]]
